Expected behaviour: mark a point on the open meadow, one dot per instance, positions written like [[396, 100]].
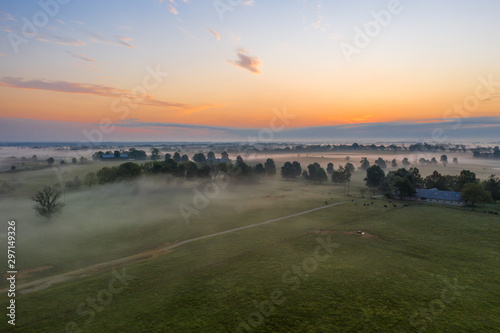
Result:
[[352, 267]]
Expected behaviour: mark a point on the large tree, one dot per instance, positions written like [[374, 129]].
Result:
[[403, 187], [47, 202], [444, 159], [155, 154], [329, 168], [270, 167], [365, 164], [474, 193], [375, 176], [492, 185]]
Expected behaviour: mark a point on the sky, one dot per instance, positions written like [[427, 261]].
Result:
[[218, 70]]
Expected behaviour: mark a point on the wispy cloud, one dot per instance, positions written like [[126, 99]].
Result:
[[216, 34], [250, 63], [173, 10], [60, 40], [2, 55], [91, 89], [6, 17], [119, 41], [81, 57]]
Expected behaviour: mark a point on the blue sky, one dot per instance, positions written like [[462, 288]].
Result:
[[232, 72]]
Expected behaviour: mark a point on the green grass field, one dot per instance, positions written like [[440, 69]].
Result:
[[418, 268]]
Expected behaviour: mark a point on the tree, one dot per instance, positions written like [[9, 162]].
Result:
[[13, 168], [394, 163], [50, 161], [329, 168], [381, 163], [492, 185], [403, 187], [433, 161], [341, 175], [211, 155], [350, 167], [444, 159], [375, 176], [465, 177], [90, 179], [116, 154], [47, 202], [34, 158], [198, 158], [260, 169], [62, 162], [224, 155], [475, 193], [239, 160], [191, 170], [347, 158], [177, 157], [155, 154], [297, 167], [365, 164], [184, 158], [316, 173], [406, 162], [74, 160], [270, 167], [82, 159], [436, 180], [455, 160], [415, 177], [288, 171], [168, 156]]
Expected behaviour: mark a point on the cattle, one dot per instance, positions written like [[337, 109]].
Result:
[[385, 206]]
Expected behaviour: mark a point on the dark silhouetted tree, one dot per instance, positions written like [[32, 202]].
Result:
[[47, 202]]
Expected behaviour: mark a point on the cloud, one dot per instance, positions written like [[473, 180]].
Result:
[[173, 10], [216, 34], [91, 89], [246, 62], [54, 39], [120, 40], [81, 56], [6, 17], [2, 55]]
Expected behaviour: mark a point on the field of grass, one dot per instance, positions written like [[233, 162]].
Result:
[[390, 279], [368, 284]]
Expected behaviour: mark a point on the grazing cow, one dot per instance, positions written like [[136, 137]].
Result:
[[390, 201], [371, 203], [394, 205], [385, 206], [496, 213], [326, 203]]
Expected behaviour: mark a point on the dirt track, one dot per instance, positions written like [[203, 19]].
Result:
[[47, 282]]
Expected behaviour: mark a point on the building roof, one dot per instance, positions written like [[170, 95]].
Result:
[[113, 156], [438, 195]]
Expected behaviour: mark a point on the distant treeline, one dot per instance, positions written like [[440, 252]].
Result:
[[182, 167]]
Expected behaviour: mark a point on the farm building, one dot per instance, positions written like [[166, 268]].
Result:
[[111, 157], [436, 196]]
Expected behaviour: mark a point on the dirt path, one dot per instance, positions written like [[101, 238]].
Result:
[[47, 282]]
